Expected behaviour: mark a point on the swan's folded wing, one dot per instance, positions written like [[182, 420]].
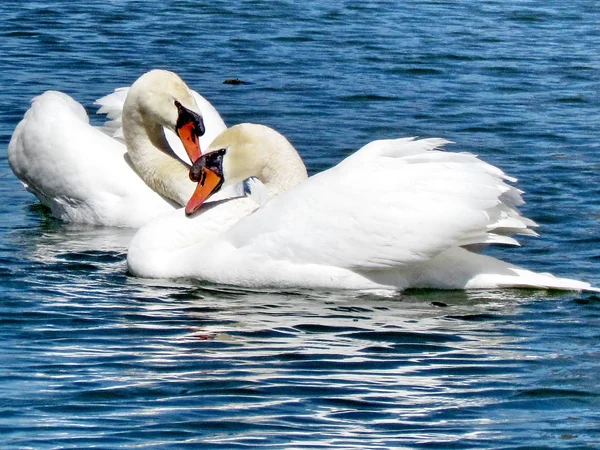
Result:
[[112, 106], [55, 151], [77, 171], [391, 203]]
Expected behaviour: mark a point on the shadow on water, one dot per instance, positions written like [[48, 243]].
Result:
[[53, 239]]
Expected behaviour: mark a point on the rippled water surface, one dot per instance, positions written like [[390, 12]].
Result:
[[93, 358]]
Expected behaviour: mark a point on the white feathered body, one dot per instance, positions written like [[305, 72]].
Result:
[[396, 214]]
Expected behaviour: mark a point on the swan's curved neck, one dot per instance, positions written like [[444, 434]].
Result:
[[151, 156], [261, 152], [283, 170]]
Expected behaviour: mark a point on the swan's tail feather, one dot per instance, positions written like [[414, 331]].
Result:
[[522, 278], [459, 268]]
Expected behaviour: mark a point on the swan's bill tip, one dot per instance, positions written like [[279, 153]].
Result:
[[209, 183]]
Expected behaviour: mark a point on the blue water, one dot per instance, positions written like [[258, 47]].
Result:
[[91, 357]]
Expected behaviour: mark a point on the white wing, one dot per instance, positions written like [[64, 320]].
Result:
[[392, 203], [112, 106]]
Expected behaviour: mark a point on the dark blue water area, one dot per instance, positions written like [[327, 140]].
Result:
[[91, 357]]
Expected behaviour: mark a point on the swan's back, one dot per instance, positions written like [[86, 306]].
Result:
[[64, 161]]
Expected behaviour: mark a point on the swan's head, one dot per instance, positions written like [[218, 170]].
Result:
[[244, 151], [163, 98]]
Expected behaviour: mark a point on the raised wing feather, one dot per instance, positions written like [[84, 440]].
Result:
[[112, 106]]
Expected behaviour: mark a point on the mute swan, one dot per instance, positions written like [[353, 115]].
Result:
[[85, 176], [396, 214]]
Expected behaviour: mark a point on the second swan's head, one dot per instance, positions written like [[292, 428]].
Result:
[[243, 151]]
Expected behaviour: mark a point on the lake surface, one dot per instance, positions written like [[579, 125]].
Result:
[[91, 357]]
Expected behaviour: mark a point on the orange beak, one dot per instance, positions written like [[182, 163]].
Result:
[[189, 128], [208, 182]]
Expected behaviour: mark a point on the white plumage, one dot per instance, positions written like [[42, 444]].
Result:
[[396, 214], [84, 174]]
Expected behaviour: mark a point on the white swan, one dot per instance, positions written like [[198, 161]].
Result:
[[396, 214], [86, 176]]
